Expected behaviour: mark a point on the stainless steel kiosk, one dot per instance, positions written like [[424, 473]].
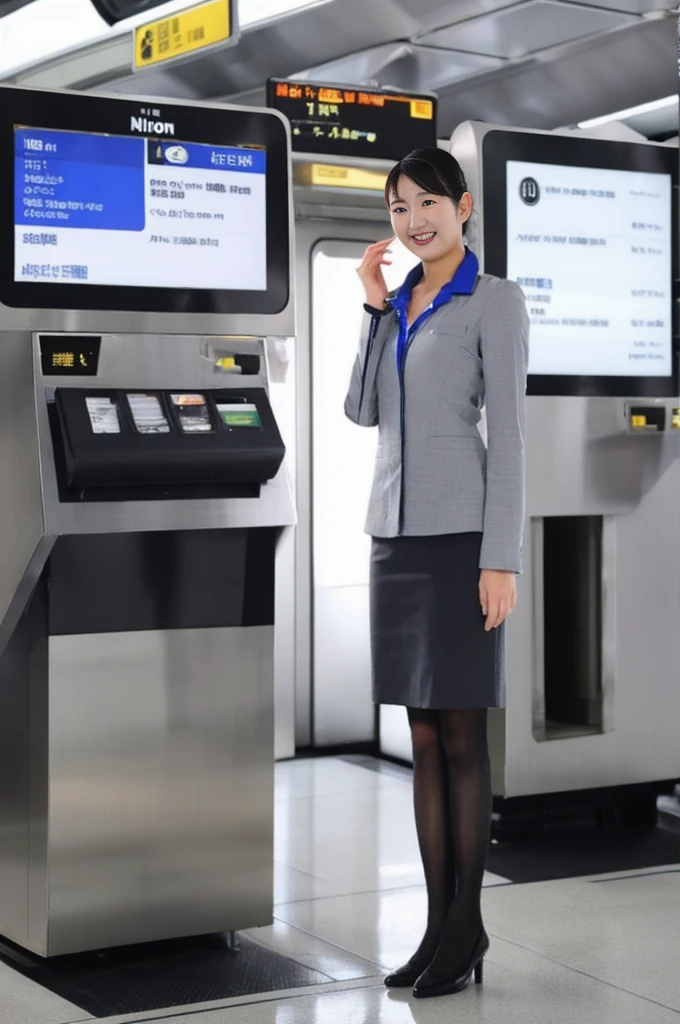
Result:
[[146, 263], [588, 228]]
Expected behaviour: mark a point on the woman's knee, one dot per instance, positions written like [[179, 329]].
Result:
[[463, 736], [424, 732]]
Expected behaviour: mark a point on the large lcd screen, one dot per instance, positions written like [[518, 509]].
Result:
[[587, 228], [137, 205], [354, 121], [591, 248], [136, 212]]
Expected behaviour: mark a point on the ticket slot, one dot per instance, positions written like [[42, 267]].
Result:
[[647, 418], [140, 445]]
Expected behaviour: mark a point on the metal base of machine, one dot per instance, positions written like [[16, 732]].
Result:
[[136, 788]]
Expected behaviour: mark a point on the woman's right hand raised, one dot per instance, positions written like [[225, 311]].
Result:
[[371, 273]]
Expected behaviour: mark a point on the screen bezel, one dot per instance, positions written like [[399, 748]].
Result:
[[352, 150], [208, 125], [498, 147]]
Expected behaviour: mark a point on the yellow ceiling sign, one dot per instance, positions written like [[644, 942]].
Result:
[[347, 177], [209, 24]]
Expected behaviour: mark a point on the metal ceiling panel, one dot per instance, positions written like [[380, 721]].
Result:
[[428, 15], [634, 6], [583, 83], [526, 28], [580, 80], [403, 66]]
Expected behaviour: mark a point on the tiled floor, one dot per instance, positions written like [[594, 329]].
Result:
[[350, 903]]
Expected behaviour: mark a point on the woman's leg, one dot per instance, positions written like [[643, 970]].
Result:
[[464, 738], [431, 805]]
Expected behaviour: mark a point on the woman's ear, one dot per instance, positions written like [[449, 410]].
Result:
[[465, 207]]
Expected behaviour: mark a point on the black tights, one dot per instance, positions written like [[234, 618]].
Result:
[[452, 798]]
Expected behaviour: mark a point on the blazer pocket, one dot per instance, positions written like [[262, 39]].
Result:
[[460, 331], [466, 341], [453, 441]]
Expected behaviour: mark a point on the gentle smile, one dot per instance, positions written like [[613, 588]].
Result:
[[423, 239]]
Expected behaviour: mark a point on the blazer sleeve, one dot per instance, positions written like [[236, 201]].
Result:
[[361, 404], [505, 357]]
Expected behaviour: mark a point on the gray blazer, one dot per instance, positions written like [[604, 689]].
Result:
[[471, 353]]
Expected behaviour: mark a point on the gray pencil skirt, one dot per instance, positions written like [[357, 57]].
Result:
[[428, 642]]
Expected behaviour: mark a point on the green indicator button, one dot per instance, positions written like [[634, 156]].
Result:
[[240, 415]]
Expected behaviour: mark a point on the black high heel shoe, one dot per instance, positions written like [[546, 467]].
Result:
[[403, 977], [429, 985]]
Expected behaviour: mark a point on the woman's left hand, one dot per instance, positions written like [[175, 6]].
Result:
[[497, 596]]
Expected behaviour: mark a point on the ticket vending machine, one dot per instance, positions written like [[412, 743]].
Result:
[[145, 265], [588, 228]]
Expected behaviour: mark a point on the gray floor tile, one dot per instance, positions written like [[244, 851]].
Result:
[[325, 776], [24, 1002], [351, 842], [383, 927], [623, 931]]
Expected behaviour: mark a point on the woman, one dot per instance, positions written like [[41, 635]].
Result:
[[446, 515]]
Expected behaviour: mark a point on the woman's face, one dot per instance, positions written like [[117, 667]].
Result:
[[428, 225]]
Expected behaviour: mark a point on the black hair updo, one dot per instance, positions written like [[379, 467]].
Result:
[[433, 170]]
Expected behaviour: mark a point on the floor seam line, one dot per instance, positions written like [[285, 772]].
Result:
[[376, 892], [645, 874]]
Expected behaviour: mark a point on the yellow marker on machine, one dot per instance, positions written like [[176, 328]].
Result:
[[347, 177], [637, 422]]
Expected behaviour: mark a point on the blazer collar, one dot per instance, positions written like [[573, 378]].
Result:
[[462, 283]]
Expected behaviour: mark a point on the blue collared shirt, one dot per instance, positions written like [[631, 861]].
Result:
[[462, 283]]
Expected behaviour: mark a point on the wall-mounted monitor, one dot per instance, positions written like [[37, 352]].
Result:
[[340, 120], [587, 229], [116, 205]]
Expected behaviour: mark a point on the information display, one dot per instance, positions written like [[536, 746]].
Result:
[[591, 248], [131, 205], [135, 212], [587, 228], [354, 121], [64, 355]]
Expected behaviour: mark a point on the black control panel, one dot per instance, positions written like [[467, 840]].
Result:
[[113, 444]]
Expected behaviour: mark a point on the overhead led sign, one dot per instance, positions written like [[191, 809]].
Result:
[[349, 121]]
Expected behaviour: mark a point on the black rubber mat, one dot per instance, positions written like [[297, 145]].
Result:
[[160, 975], [577, 849]]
